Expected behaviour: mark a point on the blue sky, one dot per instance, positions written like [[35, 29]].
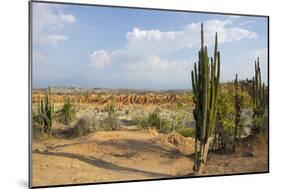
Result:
[[88, 46]]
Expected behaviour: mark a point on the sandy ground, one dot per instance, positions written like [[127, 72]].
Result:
[[129, 155]]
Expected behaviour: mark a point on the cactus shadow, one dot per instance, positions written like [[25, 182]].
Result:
[[104, 164], [134, 147]]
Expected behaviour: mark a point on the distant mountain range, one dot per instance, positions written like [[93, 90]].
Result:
[[67, 90]]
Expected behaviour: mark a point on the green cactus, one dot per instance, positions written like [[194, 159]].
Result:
[[112, 121], [238, 104], [205, 84], [46, 113], [67, 112], [259, 92], [260, 99]]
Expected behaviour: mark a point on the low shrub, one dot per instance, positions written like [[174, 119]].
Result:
[[154, 120], [108, 124], [185, 131], [82, 127], [141, 122], [259, 124], [166, 128]]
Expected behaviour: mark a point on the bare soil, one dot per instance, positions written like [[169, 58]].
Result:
[[130, 155]]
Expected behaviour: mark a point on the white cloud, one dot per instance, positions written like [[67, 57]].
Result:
[[147, 47], [100, 58], [226, 32], [67, 18], [246, 22], [48, 20], [156, 41], [52, 39]]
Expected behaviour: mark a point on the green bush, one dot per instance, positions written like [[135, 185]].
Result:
[[143, 122], [166, 128], [259, 124], [154, 120], [185, 131], [82, 127]]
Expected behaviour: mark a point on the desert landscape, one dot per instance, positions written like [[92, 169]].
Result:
[[87, 150], [146, 99]]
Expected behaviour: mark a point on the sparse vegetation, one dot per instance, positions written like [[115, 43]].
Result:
[[185, 131], [154, 120], [112, 123], [177, 126], [82, 127], [67, 113]]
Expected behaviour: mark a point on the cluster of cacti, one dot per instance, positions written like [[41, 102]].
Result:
[[46, 113], [205, 84], [112, 121], [110, 109], [67, 112], [259, 92]]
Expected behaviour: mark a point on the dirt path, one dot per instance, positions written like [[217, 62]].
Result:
[[123, 155], [107, 156]]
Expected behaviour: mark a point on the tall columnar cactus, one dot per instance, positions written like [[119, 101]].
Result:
[[259, 92], [205, 84], [46, 113], [238, 104]]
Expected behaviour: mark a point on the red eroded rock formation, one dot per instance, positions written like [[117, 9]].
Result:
[[121, 99]]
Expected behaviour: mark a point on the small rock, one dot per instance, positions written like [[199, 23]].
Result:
[[39, 150]]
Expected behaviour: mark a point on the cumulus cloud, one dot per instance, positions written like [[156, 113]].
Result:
[[100, 58], [48, 21], [157, 41], [144, 49]]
